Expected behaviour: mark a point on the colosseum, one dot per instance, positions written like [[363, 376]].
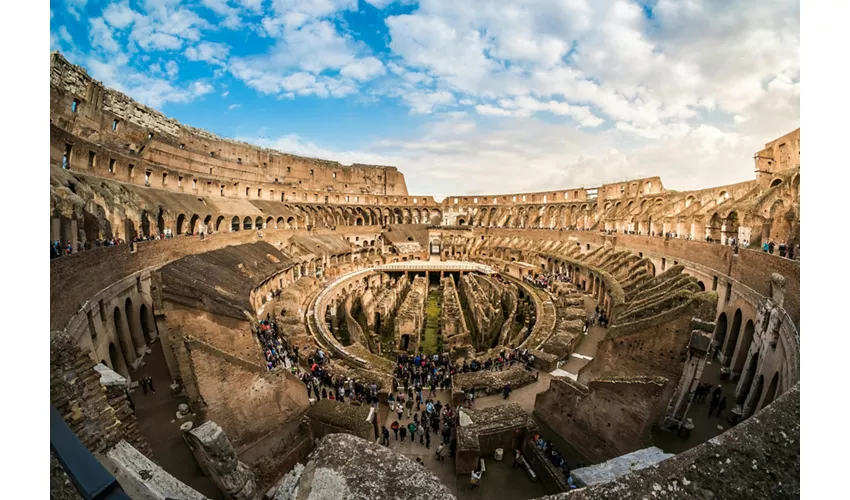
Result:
[[234, 322]]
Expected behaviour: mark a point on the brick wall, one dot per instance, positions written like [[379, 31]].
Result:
[[606, 418], [100, 417]]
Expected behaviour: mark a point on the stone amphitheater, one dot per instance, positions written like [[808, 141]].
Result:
[[212, 300]]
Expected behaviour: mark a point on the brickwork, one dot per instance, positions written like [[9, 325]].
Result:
[[100, 417]]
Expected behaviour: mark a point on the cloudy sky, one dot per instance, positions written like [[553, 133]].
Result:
[[464, 96]]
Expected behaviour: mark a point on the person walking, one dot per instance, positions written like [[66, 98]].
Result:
[[421, 432], [409, 405], [411, 428], [714, 404], [402, 432], [399, 408], [144, 385], [506, 391], [385, 436], [517, 458], [440, 449], [150, 384], [474, 479], [428, 438], [721, 406], [395, 426]]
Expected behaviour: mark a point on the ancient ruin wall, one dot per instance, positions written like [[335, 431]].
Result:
[[410, 317], [606, 418]]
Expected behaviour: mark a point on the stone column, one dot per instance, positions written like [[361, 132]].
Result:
[[217, 458], [125, 339]]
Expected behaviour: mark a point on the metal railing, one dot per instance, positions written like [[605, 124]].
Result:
[[88, 475]]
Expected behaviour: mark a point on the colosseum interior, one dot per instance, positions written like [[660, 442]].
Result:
[[233, 322]]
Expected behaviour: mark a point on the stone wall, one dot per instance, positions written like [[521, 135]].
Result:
[[217, 458], [410, 316], [758, 458], [100, 417], [331, 417], [606, 418]]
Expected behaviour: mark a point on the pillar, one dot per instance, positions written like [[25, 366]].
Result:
[[124, 338]]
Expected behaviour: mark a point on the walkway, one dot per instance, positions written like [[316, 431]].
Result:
[[156, 415], [705, 427], [585, 350]]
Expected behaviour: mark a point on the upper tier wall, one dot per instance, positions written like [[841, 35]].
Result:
[[86, 109]]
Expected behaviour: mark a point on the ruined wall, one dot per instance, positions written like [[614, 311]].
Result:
[[410, 317], [331, 417], [98, 416], [606, 418], [263, 402], [108, 117]]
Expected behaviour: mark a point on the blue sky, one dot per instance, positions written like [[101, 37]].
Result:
[[464, 97]]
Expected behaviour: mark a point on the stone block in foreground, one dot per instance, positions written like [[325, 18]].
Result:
[[345, 467]]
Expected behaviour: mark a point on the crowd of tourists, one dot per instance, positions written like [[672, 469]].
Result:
[[545, 280], [555, 457], [57, 249], [506, 358], [274, 350], [718, 401]]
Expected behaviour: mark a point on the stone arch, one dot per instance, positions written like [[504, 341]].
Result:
[[218, 222], [770, 395], [135, 325], [147, 322], [732, 341], [207, 222], [247, 223], [124, 339], [775, 182], [193, 223], [701, 285], [181, 223], [269, 222], [436, 217], [116, 361], [129, 230], [146, 224], [720, 331], [745, 384], [757, 393], [795, 186], [290, 222], [234, 223], [258, 222], [743, 348]]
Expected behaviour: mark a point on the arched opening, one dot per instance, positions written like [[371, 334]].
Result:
[[756, 397], [146, 225], [746, 383], [729, 348], [247, 223], [124, 339], [720, 332], [116, 361], [219, 222], [160, 223], [770, 395], [290, 223], [776, 182], [278, 224], [258, 223], [461, 221], [129, 230], [701, 285], [743, 348], [193, 224], [714, 227], [234, 223], [146, 321], [135, 326]]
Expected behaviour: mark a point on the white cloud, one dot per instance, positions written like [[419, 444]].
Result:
[[363, 69], [225, 93], [171, 69], [211, 52], [234, 106], [119, 15], [101, 36]]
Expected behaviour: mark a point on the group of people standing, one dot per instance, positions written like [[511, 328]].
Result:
[[718, 400]]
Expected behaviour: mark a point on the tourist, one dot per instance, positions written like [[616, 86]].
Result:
[[506, 391], [150, 384], [770, 247], [440, 449], [764, 247], [428, 436], [385, 436], [517, 458], [402, 432], [394, 427], [721, 406], [421, 432], [411, 428], [473, 480]]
